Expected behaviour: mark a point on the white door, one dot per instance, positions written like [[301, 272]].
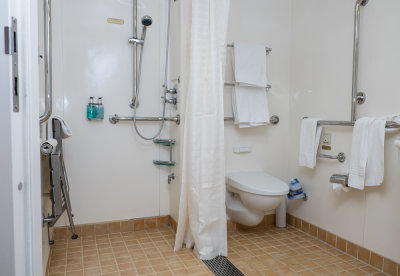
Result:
[[20, 209]]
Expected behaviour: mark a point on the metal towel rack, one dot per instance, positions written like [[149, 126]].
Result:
[[267, 49], [268, 87], [273, 120]]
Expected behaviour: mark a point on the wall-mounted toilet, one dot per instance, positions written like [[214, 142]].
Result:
[[250, 194]]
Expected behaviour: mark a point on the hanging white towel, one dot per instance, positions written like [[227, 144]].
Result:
[[310, 134], [65, 130], [250, 106], [375, 169], [367, 153], [250, 64]]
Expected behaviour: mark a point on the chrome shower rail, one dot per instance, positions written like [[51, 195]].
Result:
[[115, 119], [389, 124], [267, 49], [48, 63]]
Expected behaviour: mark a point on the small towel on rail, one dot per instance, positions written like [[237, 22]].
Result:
[[250, 64], [367, 153], [250, 106], [65, 130], [310, 134]]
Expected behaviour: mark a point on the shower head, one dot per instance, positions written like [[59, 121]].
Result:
[[147, 20], [362, 2]]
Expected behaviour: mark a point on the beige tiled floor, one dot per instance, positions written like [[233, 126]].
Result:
[[261, 251]]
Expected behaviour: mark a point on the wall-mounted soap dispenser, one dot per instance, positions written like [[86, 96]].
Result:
[[91, 109], [100, 109]]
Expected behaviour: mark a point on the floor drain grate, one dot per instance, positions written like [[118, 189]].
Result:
[[221, 266]]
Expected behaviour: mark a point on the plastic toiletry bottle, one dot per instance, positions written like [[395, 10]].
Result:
[[91, 109], [295, 189], [100, 109]]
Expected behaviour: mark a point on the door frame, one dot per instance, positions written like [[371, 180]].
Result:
[[20, 196]]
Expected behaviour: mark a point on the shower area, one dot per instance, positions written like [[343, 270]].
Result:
[[94, 46]]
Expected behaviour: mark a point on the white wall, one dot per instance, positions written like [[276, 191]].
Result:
[[109, 164], [175, 130], [322, 33], [267, 23]]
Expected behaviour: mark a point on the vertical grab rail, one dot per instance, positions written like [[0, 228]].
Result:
[[359, 3], [132, 103], [48, 62]]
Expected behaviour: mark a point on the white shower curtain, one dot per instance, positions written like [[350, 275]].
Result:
[[202, 213]]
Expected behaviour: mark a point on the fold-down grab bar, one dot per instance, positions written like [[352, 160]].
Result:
[[48, 62]]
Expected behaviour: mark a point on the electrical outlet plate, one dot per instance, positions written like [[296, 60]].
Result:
[[326, 139]]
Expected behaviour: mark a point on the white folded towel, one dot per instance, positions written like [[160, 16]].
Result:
[[367, 153], [310, 134], [65, 130], [250, 64], [250, 106]]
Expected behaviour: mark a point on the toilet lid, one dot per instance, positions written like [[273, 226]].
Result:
[[257, 183]]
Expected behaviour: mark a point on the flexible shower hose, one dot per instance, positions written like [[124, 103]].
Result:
[[165, 84]]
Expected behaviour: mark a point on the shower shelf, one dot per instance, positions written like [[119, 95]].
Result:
[[164, 163], [167, 143]]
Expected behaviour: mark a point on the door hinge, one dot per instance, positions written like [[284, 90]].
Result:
[[11, 48]]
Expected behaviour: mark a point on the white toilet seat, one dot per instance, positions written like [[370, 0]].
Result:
[[260, 183]]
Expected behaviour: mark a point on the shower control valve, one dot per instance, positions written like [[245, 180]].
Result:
[[171, 177], [173, 98], [171, 91]]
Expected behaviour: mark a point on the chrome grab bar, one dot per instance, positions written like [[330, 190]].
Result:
[[341, 157], [356, 50], [115, 119], [48, 63], [389, 124]]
